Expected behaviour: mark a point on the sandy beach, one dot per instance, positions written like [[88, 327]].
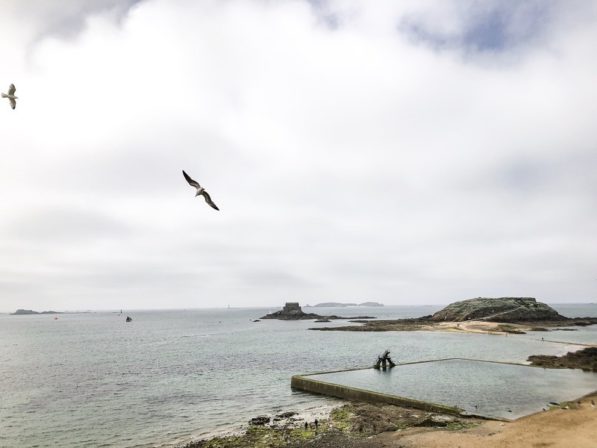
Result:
[[574, 425]]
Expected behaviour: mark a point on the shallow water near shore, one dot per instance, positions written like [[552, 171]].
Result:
[[89, 380]]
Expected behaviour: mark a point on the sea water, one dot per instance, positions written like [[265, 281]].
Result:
[[91, 380]]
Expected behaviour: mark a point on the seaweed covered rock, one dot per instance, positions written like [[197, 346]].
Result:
[[503, 309], [583, 359], [260, 420]]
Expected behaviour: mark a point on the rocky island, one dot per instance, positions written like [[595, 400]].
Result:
[[503, 309], [21, 312], [501, 315], [293, 311]]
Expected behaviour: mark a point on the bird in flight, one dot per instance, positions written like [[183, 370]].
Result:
[[11, 96], [200, 190]]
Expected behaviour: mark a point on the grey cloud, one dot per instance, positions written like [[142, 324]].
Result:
[[150, 164], [66, 18], [274, 278], [557, 175], [488, 26], [126, 276], [60, 225], [325, 13]]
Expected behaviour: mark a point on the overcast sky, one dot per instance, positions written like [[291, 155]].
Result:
[[408, 152]]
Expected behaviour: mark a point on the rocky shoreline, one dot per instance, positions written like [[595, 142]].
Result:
[[349, 426], [363, 425], [585, 359]]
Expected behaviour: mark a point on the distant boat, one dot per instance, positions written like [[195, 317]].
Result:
[[129, 319]]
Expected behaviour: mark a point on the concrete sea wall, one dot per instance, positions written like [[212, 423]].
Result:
[[307, 384]]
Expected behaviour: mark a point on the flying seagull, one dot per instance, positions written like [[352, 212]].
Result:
[[200, 190], [11, 96]]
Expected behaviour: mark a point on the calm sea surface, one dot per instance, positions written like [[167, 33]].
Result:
[[91, 380]]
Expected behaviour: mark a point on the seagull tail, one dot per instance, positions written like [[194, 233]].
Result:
[[4, 95]]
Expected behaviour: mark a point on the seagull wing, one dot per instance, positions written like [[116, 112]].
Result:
[[11, 90], [13, 103], [208, 200], [192, 183]]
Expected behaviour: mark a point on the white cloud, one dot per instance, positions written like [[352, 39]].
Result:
[[348, 160]]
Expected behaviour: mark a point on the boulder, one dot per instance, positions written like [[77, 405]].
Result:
[[260, 420], [286, 415]]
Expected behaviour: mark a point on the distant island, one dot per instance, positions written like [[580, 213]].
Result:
[[501, 315], [343, 304], [20, 312], [293, 311]]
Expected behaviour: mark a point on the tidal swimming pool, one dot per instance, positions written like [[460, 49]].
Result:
[[490, 389]]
